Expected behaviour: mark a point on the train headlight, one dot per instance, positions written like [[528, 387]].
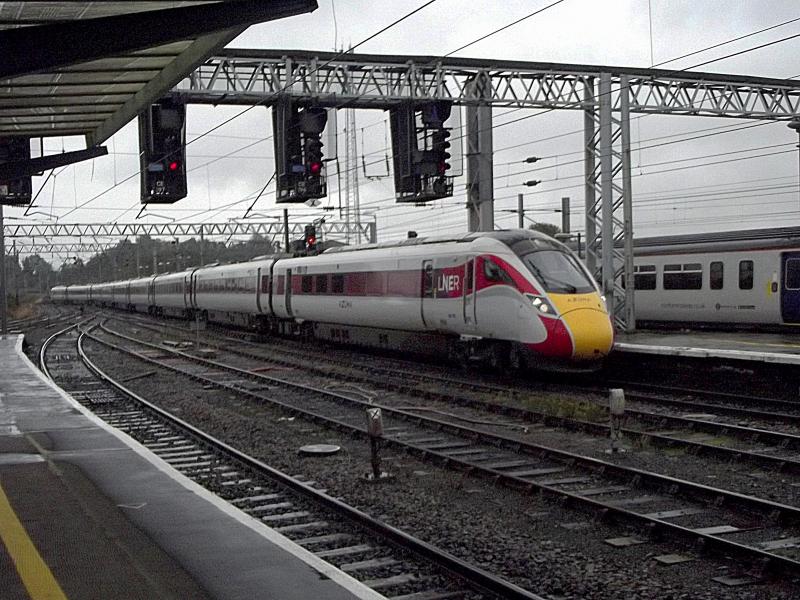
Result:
[[542, 305]]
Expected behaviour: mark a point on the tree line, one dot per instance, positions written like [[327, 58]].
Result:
[[34, 275]]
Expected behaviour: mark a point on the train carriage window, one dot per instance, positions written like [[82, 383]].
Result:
[[337, 284], [265, 284], [745, 274], [792, 279], [494, 272], [716, 275], [644, 277], [322, 284], [306, 282], [427, 280], [683, 277]]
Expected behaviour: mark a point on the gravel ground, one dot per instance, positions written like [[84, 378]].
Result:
[[535, 542], [675, 462]]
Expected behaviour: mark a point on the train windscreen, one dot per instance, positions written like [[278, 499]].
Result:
[[558, 272]]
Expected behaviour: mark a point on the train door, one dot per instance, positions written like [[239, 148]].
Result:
[[187, 291], [259, 289], [427, 290], [790, 287], [470, 296], [287, 290]]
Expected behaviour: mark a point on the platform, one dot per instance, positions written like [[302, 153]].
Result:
[[776, 348], [86, 512]]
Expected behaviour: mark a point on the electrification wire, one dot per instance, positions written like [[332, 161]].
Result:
[[726, 42], [530, 116], [275, 94], [503, 28]]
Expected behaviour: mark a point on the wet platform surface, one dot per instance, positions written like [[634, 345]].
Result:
[[87, 513], [779, 348]]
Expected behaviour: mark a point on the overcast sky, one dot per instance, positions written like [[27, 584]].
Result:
[[738, 194]]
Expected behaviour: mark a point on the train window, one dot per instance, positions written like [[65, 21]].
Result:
[[265, 284], [494, 272], [792, 274], [557, 271], [337, 284], [716, 272], [305, 284], [322, 284], [644, 277], [427, 279], [686, 277], [745, 274]]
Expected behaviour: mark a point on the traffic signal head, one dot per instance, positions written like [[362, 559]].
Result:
[[162, 142], [310, 237], [313, 155], [440, 149]]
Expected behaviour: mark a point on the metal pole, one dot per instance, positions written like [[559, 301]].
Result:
[[588, 169], [3, 314], [138, 258], [202, 243], [520, 212], [627, 203], [155, 258], [796, 126], [286, 230], [607, 192], [565, 215], [480, 189], [15, 254]]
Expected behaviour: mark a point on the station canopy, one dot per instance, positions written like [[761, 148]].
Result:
[[88, 68]]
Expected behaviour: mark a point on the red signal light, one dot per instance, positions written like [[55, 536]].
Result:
[[315, 168], [311, 241], [173, 166]]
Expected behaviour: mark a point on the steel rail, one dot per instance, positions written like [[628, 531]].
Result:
[[473, 575], [46, 345], [782, 464], [773, 511]]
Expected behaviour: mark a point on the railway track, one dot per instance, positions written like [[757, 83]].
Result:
[[762, 532], [384, 558], [728, 441]]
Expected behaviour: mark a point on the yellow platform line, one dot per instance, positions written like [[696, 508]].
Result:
[[33, 571]]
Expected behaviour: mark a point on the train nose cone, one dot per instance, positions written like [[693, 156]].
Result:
[[586, 318], [592, 334]]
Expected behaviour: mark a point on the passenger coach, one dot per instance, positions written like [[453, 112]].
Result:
[[507, 297], [734, 279]]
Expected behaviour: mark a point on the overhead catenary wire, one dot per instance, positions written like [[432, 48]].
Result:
[[662, 63], [275, 94]]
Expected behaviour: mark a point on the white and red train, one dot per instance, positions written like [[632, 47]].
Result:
[[515, 297]]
